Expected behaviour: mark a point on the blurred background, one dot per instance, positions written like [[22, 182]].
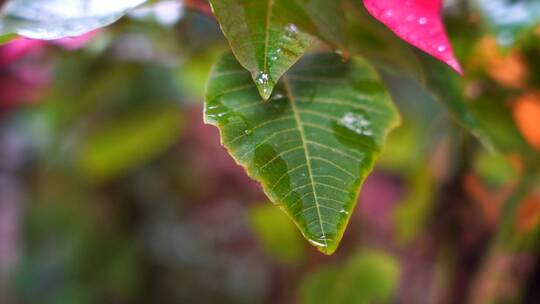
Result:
[[112, 190]]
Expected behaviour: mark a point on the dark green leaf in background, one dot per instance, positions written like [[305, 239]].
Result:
[[445, 87], [313, 144], [370, 39], [53, 19], [501, 127], [324, 19]]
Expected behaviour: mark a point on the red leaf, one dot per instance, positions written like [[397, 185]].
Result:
[[419, 22]]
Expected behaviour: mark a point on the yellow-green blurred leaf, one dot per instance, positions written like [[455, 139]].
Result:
[[129, 142], [367, 277], [277, 234], [412, 212]]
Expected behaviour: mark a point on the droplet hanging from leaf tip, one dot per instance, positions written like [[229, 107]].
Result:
[[322, 245], [265, 84]]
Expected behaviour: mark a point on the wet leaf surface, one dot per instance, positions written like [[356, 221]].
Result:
[[313, 143], [264, 36]]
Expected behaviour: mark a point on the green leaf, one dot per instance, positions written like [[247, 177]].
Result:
[[54, 19], [496, 116], [324, 19], [367, 277], [263, 36], [313, 144]]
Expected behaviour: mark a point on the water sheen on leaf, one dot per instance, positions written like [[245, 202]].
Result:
[[263, 36], [313, 143], [55, 19]]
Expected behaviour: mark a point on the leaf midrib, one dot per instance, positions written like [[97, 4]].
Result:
[[269, 8], [292, 100]]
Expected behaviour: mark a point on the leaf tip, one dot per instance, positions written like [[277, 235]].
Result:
[[454, 64], [326, 244], [325, 248], [329, 250]]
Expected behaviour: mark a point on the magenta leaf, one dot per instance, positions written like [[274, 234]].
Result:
[[419, 22]]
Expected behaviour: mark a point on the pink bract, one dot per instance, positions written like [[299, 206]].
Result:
[[75, 43], [419, 22], [19, 48], [23, 80]]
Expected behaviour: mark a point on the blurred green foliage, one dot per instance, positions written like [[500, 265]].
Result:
[[366, 277], [113, 191], [129, 142], [277, 233]]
